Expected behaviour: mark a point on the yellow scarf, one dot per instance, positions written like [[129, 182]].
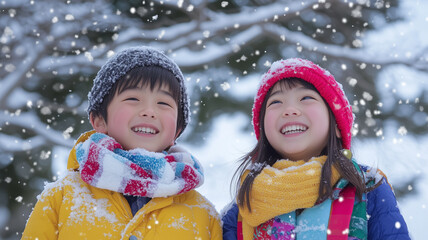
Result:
[[283, 188]]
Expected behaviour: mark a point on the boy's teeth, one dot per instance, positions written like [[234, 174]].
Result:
[[293, 129], [145, 130]]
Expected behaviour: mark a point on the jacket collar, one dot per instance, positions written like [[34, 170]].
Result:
[[72, 163]]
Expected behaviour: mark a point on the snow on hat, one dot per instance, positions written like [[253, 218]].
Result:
[[126, 60], [321, 79]]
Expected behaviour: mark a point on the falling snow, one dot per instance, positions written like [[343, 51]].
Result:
[[46, 45]]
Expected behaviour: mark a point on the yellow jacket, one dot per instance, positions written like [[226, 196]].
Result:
[[72, 209]]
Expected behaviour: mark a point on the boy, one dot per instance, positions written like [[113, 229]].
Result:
[[121, 183]]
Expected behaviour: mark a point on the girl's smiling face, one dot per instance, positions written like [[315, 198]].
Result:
[[296, 122]]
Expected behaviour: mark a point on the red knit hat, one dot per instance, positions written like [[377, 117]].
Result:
[[323, 81]]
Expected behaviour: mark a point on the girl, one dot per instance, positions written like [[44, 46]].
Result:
[[300, 181]]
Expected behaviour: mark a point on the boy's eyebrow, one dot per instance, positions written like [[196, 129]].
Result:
[[127, 89], [166, 92]]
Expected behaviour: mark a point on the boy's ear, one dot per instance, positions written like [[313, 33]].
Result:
[[338, 134], [98, 123], [176, 136]]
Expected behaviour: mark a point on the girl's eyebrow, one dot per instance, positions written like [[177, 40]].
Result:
[[298, 88], [275, 93]]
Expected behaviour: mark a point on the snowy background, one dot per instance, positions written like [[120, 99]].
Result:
[[51, 49]]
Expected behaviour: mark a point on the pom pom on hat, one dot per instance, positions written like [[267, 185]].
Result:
[[321, 79], [126, 60]]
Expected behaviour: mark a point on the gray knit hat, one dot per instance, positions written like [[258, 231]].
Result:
[[122, 62]]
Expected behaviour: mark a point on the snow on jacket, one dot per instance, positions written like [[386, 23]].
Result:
[[384, 222], [72, 209]]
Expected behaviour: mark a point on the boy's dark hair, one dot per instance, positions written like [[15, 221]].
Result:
[[134, 66], [151, 76], [265, 154]]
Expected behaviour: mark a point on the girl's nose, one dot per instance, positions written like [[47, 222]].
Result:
[[291, 111]]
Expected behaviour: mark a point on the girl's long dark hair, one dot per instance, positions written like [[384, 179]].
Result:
[[263, 154]]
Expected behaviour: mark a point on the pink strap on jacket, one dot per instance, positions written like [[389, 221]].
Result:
[[240, 235], [341, 213]]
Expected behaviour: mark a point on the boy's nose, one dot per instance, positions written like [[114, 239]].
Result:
[[147, 112]]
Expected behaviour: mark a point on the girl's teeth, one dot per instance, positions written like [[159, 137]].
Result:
[[293, 129]]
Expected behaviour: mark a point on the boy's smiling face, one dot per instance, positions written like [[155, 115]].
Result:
[[141, 118]]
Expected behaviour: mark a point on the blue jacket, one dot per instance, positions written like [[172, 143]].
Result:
[[385, 220]]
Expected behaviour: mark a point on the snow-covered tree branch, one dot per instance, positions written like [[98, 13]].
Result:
[[51, 51], [47, 39]]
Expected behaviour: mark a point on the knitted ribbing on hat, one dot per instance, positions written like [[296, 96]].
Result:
[[283, 188], [331, 91], [126, 60]]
